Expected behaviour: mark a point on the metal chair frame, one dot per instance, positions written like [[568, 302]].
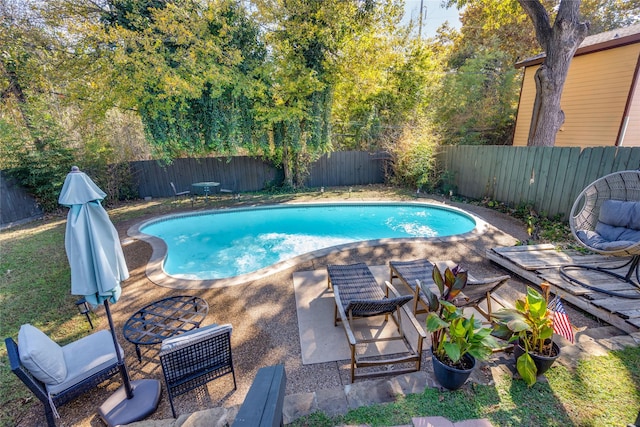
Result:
[[195, 363], [39, 389]]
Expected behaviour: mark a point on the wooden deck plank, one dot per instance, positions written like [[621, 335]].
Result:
[[629, 314], [523, 248], [617, 304], [623, 313], [553, 275]]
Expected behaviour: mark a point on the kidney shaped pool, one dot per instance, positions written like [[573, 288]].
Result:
[[226, 243]]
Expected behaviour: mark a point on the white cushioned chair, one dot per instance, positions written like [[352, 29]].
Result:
[[57, 374]]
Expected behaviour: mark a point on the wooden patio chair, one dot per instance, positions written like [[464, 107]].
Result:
[[358, 295], [478, 292], [605, 218]]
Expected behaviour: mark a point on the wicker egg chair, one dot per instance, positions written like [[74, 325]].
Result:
[[605, 218]]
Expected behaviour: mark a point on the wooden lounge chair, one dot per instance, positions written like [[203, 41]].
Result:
[[358, 295], [417, 273]]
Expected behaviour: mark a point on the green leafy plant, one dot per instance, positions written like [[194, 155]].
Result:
[[531, 324], [453, 335]]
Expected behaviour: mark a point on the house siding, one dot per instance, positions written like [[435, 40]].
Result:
[[631, 137], [593, 100]]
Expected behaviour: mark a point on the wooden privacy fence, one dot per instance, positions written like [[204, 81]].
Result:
[[548, 178], [240, 174], [16, 205]]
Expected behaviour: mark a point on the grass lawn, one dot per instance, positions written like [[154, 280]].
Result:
[[35, 284], [601, 391]]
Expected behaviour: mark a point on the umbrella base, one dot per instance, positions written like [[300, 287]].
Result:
[[118, 410]]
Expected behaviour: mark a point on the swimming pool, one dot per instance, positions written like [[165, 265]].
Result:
[[230, 243]]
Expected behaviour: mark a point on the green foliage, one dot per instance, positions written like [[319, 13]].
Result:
[[192, 70], [385, 86], [531, 324], [477, 103], [452, 334], [39, 169], [301, 73], [414, 156]]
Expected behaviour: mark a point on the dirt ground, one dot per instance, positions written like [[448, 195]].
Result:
[[263, 315]]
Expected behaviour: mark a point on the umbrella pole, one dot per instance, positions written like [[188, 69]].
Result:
[[123, 368], [123, 407]]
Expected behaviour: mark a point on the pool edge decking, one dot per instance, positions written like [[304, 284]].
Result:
[[541, 263]]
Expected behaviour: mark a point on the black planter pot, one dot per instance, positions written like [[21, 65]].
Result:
[[450, 377], [543, 363]]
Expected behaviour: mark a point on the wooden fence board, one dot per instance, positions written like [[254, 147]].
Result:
[[556, 190], [515, 174], [548, 178], [634, 160], [551, 177], [543, 176]]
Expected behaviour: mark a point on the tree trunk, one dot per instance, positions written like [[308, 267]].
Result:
[[560, 43], [14, 89]]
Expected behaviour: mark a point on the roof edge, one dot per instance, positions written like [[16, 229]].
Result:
[[583, 50]]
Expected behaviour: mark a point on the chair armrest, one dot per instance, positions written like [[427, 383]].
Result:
[[498, 280], [343, 316], [412, 318]]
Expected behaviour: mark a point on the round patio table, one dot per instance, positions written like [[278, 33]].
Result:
[[206, 187], [163, 319]]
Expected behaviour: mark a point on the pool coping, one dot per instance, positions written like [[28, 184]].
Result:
[[155, 272]]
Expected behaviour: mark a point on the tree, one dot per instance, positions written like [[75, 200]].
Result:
[[560, 43], [191, 69], [306, 40], [478, 101]]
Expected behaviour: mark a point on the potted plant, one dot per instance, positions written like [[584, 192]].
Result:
[[530, 326], [456, 341]]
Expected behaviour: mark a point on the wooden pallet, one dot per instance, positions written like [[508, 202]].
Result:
[[541, 263]]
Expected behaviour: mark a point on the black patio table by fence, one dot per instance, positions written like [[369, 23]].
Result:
[[163, 319]]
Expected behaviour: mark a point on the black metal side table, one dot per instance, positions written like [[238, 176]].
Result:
[[163, 319]]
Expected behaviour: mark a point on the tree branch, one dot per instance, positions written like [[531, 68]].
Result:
[[540, 18]]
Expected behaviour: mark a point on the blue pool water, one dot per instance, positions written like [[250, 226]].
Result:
[[228, 243]]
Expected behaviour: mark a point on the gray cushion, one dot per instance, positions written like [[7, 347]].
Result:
[[193, 336], [41, 356], [86, 357], [608, 232], [619, 213], [596, 241]]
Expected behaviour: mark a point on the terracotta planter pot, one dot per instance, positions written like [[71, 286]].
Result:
[[450, 377], [543, 363]]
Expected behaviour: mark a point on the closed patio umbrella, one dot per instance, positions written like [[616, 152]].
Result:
[[97, 269]]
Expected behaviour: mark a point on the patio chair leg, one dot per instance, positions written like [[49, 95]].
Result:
[[353, 363]]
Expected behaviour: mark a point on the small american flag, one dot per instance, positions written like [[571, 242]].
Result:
[[561, 324]]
